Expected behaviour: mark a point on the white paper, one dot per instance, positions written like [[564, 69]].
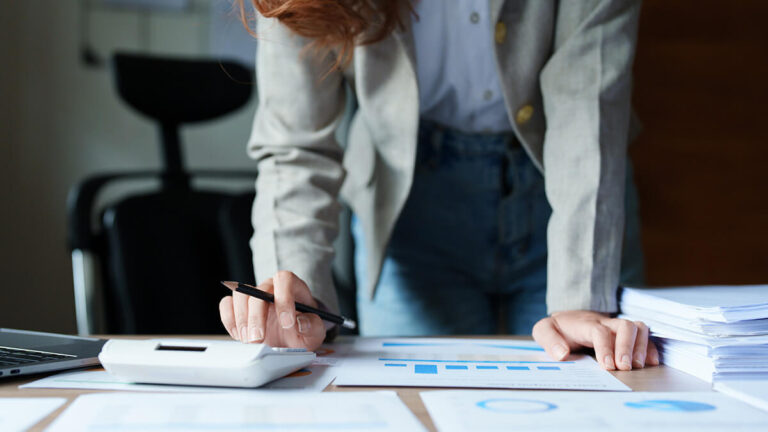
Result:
[[711, 303], [662, 327], [313, 378], [474, 410], [754, 393], [360, 411], [19, 414], [709, 364], [711, 329], [484, 363]]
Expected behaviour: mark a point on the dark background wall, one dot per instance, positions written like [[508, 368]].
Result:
[[701, 91]]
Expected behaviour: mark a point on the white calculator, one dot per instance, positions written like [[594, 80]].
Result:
[[200, 362]]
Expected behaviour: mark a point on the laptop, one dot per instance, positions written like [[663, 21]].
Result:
[[27, 352]]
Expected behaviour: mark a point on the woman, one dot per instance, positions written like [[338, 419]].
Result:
[[462, 107]]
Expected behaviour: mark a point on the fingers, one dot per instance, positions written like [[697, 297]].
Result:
[[227, 314], [546, 334], [626, 335], [653, 354], [602, 341], [641, 345], [249, 319], [618, 343], [258, 311], [240, 306], [284, 283], [298, 329], [311, 329], [257, 318], [631, 343]]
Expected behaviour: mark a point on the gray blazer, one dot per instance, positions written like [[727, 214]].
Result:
[[565, 68]]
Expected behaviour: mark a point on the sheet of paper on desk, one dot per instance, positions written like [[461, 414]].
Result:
[[486, 363], [19, 414], [359, 411], [486, 410], [754, 393], [313, 378]]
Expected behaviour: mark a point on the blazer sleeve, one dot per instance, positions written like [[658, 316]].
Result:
[[586, 88], [296, 210]]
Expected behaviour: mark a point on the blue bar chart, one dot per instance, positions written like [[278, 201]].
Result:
[[423, 362], [423, 366]]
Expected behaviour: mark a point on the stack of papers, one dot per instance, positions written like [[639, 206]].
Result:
[[712, 332]]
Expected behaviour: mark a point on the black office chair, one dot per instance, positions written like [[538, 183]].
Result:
[[153, 262]]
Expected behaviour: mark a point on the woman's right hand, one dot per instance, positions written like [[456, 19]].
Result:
[[251, 320]]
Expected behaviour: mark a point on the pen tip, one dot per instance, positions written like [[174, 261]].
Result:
[[229, 284], [348, 323]]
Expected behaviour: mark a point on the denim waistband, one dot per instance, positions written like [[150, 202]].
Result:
[[466, 143]]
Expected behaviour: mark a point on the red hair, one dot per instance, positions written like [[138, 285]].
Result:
[[334, 24]]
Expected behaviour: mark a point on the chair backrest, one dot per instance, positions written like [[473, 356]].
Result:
[[161, 255], [165, 257], [177, 91]]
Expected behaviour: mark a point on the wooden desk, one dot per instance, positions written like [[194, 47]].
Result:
[[659, 378]]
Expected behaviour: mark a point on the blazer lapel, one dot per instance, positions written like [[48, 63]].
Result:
[[405, 37], [495, 8]]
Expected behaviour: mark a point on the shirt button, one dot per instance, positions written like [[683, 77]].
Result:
[[474, 17], [524, 114], [501, 32], [487, 95]]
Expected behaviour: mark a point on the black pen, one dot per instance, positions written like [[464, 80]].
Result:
[[301, 307]]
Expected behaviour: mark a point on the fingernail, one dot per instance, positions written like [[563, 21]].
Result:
[[560, 351], [608, 362], [655, 357], [639, 361], [304, 324], [243, 335], [255, 334], [233, 333], [286, 320], [626, 362]]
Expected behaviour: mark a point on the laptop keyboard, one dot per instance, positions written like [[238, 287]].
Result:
[[16, 357]]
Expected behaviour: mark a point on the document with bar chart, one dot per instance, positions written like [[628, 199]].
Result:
[[548, 411], [480, 363]]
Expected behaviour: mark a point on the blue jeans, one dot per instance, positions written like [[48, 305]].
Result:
[[468, 254]]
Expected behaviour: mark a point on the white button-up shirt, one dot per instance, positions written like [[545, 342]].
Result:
[[459, 84]]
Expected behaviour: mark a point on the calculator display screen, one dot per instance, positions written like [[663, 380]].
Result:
[[180, 348]]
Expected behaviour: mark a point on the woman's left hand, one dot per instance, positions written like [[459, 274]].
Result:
[[618, 343]]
